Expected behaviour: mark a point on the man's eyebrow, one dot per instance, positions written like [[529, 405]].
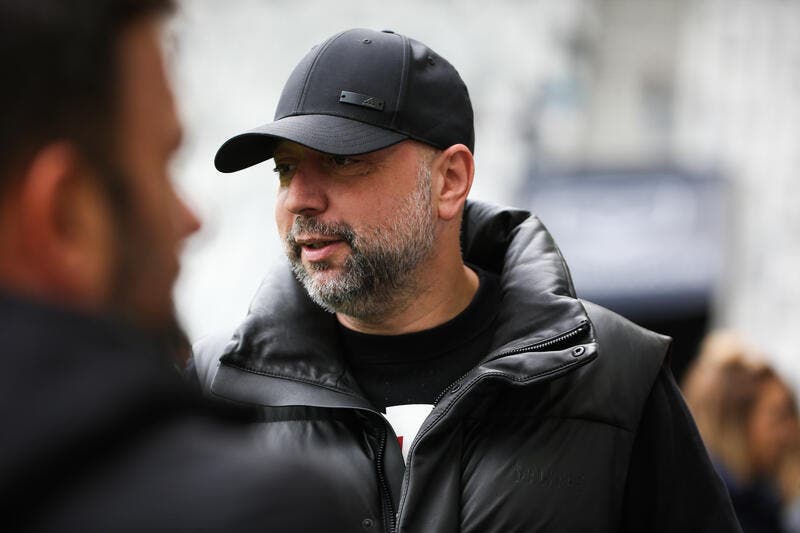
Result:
[[284, 149]]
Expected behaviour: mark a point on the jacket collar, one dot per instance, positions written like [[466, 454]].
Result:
[[288, 337], [78, 359], [538, 301]]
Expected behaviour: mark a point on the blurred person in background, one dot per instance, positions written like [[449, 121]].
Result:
[[99, 431], [747, 416], [789, 483], [432, 349]]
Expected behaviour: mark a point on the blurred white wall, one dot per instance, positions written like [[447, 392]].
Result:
[[738, 110]]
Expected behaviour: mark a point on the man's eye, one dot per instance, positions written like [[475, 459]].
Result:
[[341, 160], [343, 165], [284, 170]]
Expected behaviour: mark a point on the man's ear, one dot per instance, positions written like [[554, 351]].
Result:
[[66, 232], [456, 167]]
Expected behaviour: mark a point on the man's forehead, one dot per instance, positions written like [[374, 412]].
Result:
[[148, 102]]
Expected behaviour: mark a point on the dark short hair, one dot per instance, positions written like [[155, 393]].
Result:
[[59, 60]]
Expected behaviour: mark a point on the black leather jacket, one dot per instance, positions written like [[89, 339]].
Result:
[[538, 437]]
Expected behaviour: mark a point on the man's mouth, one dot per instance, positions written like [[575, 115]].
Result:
[[319, 249], [318, 244]]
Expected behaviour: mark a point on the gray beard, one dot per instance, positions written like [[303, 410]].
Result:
[[379, 277]]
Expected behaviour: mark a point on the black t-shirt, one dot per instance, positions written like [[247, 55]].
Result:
[[414, 368]]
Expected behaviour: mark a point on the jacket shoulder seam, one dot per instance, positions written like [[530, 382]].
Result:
[[289, 378]]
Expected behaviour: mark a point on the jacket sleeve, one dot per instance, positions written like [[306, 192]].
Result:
[[672, 484]]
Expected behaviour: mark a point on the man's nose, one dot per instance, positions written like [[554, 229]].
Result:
[[305, 193], [190, 222]]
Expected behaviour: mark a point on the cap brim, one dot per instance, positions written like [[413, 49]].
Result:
[[324, 133]]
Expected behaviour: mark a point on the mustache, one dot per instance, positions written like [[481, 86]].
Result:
[[304, 225]]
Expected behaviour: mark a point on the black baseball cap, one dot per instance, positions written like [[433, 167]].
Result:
[[360, 91]]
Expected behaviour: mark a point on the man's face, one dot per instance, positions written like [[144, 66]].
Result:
[[159, 221], [355, 229]]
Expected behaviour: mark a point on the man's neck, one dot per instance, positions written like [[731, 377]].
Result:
[[445, 294]]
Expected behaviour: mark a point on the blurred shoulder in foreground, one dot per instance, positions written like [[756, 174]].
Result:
[[102, 435]]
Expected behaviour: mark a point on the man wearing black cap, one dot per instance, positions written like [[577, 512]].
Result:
[[430, 350]]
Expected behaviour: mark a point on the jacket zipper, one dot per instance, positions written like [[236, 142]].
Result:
[[547, 343], [389, 517], [552, 341]]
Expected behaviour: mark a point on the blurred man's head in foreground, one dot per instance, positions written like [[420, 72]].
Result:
[[88, 215]]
